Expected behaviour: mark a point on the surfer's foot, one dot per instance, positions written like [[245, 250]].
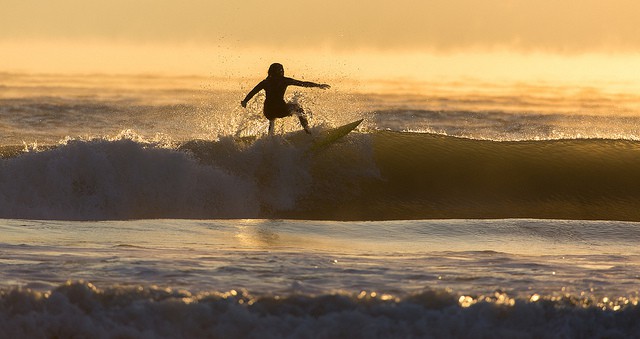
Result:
[[307, 130]]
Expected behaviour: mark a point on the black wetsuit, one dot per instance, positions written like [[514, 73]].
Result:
[[274, 87]]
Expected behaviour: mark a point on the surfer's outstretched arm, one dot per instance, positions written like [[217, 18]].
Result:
[[254, 91], [295, 82]]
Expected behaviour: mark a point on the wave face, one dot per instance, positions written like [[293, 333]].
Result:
[[82, 310], [367, 176], [433, 176]]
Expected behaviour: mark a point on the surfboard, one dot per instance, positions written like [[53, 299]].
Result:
[[330, 136], [209, 149]]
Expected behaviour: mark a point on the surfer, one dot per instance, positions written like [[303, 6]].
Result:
[[274, 105]]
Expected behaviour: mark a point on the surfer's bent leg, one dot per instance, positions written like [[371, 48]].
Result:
[[271, 124], [296, 109]]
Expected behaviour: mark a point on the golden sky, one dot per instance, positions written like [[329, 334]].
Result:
[[405, 36]]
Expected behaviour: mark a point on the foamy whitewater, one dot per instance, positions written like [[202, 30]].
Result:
[[156, 207]]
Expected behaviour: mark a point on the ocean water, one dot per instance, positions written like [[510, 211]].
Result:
[[151, 207]]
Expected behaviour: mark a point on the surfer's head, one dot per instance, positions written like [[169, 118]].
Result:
[[276, 70]]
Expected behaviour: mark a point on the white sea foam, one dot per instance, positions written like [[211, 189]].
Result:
[[82, 310], [128, 177], [122, 180]]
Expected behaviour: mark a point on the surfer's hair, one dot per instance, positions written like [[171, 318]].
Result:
[[276, 70]]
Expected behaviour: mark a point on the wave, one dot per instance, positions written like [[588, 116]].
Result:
[[367, 176], [79, 309]]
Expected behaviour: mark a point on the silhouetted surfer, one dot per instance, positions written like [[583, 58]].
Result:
[[274, 105]]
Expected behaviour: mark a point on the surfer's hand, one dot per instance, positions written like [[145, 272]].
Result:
[[324, 86], [243, 103]]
